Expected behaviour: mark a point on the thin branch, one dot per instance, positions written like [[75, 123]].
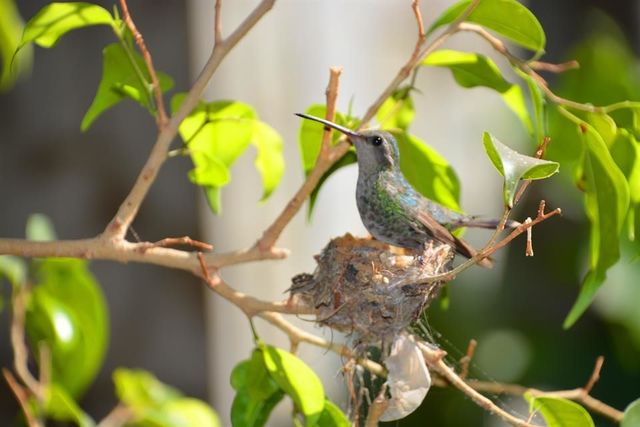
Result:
[[595, 375], [377, 408], [22, 396], [218, 23], [415, 5], [20, 350], [434, 360], [466, 359], [127, 211], [119, 416], [155, 83], [525, 67], [554, 68], [185, 240], [325, 159]]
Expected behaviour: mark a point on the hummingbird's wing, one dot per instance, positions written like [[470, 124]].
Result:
[[440, 233]]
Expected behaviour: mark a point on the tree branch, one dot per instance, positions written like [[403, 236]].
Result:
[[162, 114], [118, 226]]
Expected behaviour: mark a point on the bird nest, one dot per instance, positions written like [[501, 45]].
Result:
[[371, 290]]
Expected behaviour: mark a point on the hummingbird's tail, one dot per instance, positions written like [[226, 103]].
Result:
[[471, 221]]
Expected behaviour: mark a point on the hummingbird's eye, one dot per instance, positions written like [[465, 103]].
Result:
[[376, 140]]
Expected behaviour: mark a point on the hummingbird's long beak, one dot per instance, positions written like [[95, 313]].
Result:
[[346, 131]]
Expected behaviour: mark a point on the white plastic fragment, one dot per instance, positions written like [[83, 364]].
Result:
[[408, 380]]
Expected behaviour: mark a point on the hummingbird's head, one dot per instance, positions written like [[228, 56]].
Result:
[[375, 149]]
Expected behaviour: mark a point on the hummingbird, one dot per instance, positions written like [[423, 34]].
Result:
[[391, 209]]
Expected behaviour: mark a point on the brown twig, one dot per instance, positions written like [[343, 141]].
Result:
[[117, 227], [580, 394], [466, 359], [22, 396], [377, 408], [529, 249], [155, 83], [554, 68], [20, 350], [118, 417], [217, 27], [185, 240], [325, 159], [415, 5], [434, 360]]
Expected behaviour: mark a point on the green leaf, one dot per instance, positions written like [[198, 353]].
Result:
[[217, 133], [297, 380], [249, 412], [257, 393], [397, 111], [469, 69], [625, 151], [472, 70], [14, 64], [189, 412], [14, 269], [631, 417], [68, 312], [56, 19], [514, 166], [40, 228], [427, 171], [607, 202], [269, 160], [508, 18], [558, 412], [514, 98], [539, 105], [332, 416], [60, 406], [141, 390], [124, 75], [348, 159]]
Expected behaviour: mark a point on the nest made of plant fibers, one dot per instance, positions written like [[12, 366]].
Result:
[[370, 290]]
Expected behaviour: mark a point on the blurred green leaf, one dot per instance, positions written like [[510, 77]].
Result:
[[122, 79], [397, 111], [40, 228], [469, 69], [140, 389], [631, 416], [256, 392], [156, 404], [559, 412], [625, 151], [14, 269], [427, 171], [508, 18], [607, 202], [332, 416], [269, 160], [68, 312], [14, 64], [472, 70], [309, 141], [514, 166], [60, 406], [297, 380], [217, 133], [56, 19], [539, 104]]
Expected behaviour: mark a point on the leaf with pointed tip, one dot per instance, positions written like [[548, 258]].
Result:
[[56, 19], [297, 380], [269, 160], [472, 70], [631, 417], [607, 201], [120, 80], [558, 412], [508, 18], [397, 111], [514, 166]]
